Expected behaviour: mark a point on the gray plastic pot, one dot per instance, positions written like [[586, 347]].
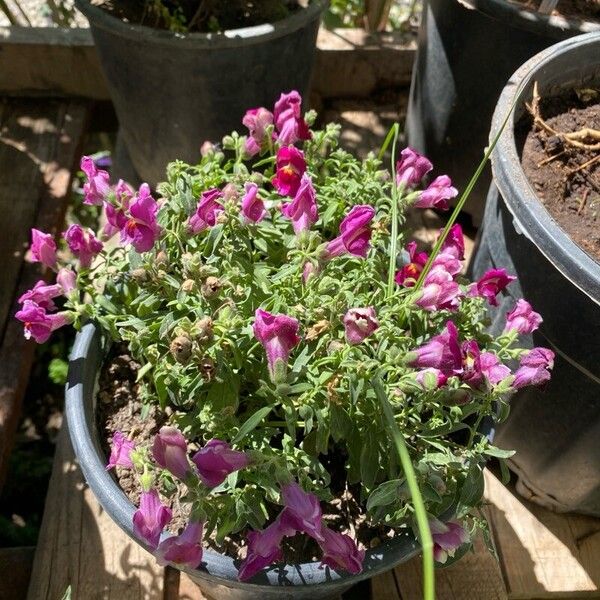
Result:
[[555, 430], [467, 49], [172, 92], [218, 573]]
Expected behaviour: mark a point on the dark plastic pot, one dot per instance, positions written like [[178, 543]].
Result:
[[467, 49], [218, 573], [172, 92], [554, 430]]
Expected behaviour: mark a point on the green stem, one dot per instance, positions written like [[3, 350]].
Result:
[[394, 212]]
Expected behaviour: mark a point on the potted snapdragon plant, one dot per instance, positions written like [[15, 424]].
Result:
[[308, 400]]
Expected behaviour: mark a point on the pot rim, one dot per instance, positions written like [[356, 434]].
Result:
[[232, 38], [80, 389], [529, 214]]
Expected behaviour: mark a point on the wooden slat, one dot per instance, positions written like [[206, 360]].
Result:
[[17, 563], [384, 587]]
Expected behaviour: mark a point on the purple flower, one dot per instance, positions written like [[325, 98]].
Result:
[[279, 335], [408, 275], [170, 451], [253, 208], [360, 323], [38, 324], [471, 364], [437, 194], [534, 368], [290, 165], [217, 460], [206, 212], [447, 538], [184, 550], [522, 318], [490, 284], [435, 375], [439, 291], [441, 352], [288, 119], [302, 210], [264, 548], [341, 552], [42, 295], [256, 120], [116, 217], [302, 511], [43, 248], [83, 244], [97, 186], [355, 233], [120, 452], [411, 168], [150, 518], [141, 229], [454, 244], [493, 370], [67, 279]]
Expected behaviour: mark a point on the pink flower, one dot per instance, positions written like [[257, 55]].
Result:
[[97, 186], [279, 335], [288, 119], [411, 168], [42, 295], [170, 451], [290, 168], [217, 460], [38, 324], [43, 248], [447, 538], [437, 194], [206, 212], [302, 210], [141, 229], [120, 452], [360, 323], [184, 550], [67, 279], [256, 120], [253, 208], [341, 552], [150, 518], [493, 370], [264, 548], [116, 217], [454, 244], [408, 275], [302, 511], [534, 368], [435, 376], [441, 352], [83, 244], [490, 284], [522, 318], [439, 291], [471, 364], [309, 270], [355, 233]]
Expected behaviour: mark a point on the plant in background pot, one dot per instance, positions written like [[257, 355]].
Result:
[[310, 397]]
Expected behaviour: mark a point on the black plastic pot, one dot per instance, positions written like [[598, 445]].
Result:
[[467, 49], [172, 92], [554, 430], [218, 573]]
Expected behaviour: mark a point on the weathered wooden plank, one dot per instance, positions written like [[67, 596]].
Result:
[[16, 563], [384, 587]]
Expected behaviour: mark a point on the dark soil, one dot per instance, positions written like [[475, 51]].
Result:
[[119, 409], [583, 10], [572, 197]]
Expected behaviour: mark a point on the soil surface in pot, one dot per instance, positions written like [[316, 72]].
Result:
[[201, 15], [120, 409], [583, 10], [566, 176]]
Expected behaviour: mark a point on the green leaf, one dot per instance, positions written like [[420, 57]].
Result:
[[498, 452], [472, 488], [224, 394], [252, 422], [369, 461], [385, 493]]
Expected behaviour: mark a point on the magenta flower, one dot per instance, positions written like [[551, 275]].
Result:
[[288, 119], [302, 511], [116, 217], [471, 364], [67, 279], [439, 291], [408, 275], [490, 284], [435, 375], [447, 538], [184, 550], [437, 194], [38, 324], [302, 210], [360, 323], [534, 368], [43, 248], [309, 270], [141, 229], [454, 244], [256, 120], [522, 318], [170, 451], [493, 370], [341, 552], [411, 168], [42, 295], [279, 335], [83, 244], [206, 212], [290, 166], [253, 208], [441, 352], [150, 518], [217, 460], [120, 452], [355, 233], [97, 186], [264, 548]]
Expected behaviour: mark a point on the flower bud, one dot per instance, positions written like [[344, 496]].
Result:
[[170, 451], [161, 260], [188, 286], [181, 349], [203, 330], [140, 275], [207, 368], [211, 287]]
